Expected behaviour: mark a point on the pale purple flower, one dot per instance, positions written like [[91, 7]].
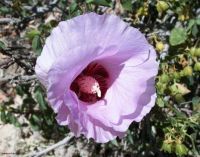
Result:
[[99, 73]]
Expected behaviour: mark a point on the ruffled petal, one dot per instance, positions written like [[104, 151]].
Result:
[[125, 54], [93, 128], [134, 79], [132, 93], [63, 116], [89, 30]]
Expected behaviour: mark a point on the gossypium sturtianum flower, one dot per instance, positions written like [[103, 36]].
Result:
[[99, 74]]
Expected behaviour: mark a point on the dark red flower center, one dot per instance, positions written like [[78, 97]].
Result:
[[91, 84]]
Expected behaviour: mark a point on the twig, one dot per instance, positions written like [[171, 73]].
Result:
[[6, 63], [18, 78], [24, 60], [50, 148], [187, 102], [8, 20], [21, 53], [189, 112]]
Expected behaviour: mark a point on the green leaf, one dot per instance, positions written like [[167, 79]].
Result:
[[127, 5], [3, 116], [160, 102], [178, 36], [89, 1], [35, 122], [101, 2], [191, 24], [114, 142], [12, 119], [40, 99], [73, 7], [2, 45], [48, 120], [37, 44], [195, 100], [32, 33], [130, 137], [194, 30], [198, 21], [5, 10]]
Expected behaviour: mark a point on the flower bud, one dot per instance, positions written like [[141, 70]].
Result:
[[161, 87], [182, 17], [179, 98], [178, 88], [197, 52], [160, 46], [164, 78], [197, 66], [160, 102], [161, 6], [181, 149], [166, 147], [187, 71], [176, 75], [192, 51]]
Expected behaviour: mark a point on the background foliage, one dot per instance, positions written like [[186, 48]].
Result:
[[172, 26]]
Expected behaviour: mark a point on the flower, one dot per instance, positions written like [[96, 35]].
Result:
[[99, 74]]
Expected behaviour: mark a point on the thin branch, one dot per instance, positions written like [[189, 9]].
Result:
[[21, 53], [18, 78], [63, 142], [6, 63], [189, 112], [38, 13], [23, 59], [187, 102], [8, 20]]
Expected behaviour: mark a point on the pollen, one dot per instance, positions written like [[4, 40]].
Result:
[[89, 85]]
